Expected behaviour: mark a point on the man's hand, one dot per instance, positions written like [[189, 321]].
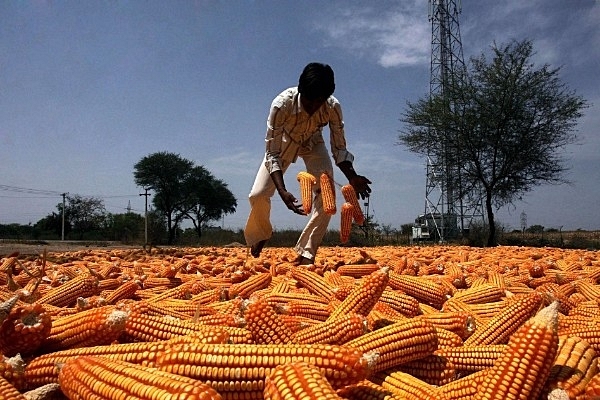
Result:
[[361, 186], [291, 202]]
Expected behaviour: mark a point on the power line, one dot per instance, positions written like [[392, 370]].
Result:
[[18, 189]]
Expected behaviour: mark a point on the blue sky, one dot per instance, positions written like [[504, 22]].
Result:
[[89, 88]]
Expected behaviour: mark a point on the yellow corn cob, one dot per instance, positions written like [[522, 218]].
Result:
[[246, 288], [420, 288], [24, 330], [346, 216], [243, 368], [299, 380], [485, 293], [357, 270], [364, 296], [307, 182], [589, 333], [151, 328], [520, 373], [589, 290], [367, 390], [93, 327], [9, 392], [398, 343], [472, 358], [350, 196], [265, 324], [401, 302], [433, 369], [65, 295], [407, 386], [464, 388], [314, 282], [460, 323], [158, 282], [308, 309], [125, 291], [282, 298], [447, 339], [99, 378], [592, 390], [499, 329], [208, 296], [574, 366], [336, 331], [44, 369], [328, 194]]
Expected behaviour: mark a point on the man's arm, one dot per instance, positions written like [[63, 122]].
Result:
[[358, 182], [288, 198]]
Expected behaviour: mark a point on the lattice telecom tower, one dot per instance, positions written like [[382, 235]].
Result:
[[446, 213]]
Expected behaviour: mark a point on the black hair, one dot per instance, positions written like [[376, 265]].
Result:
[[316, 81]]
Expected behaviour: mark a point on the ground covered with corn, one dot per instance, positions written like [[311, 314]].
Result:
[[435, 322]]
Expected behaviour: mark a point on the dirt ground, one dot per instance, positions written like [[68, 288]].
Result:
[[31, 248]]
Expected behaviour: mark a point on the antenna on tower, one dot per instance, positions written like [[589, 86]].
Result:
[[128, 206], [447, 213]]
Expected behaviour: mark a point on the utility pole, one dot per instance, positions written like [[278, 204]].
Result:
[[146, 194], [64, 195]]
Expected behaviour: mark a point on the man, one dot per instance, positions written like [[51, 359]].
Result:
[[295, 129]]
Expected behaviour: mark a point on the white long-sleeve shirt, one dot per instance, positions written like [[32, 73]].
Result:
[[291, 131]]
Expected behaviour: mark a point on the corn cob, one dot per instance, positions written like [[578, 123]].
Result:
[[522, 370], [589, 290], [574, 366], [401, 302], [420, 288], [350, 197], [44, 369], [185, 290], [592, 390], [407, 386], [499, 329], [336, 331], [314, 282], [398, 343], [307, 182], [328, 194], [265, 324], [282, 298], [125, 291], [367, 390], [433, 369], [24, 330], [472, 358], [13, 370], [243, 368], [358, 270], [298, 380], [589, 333], [447, 339], [346, 216], [157, 282], [485, 293], [463, 388], [246, 288], [208, 296], [65, 295], [9, 392], [460, 323], [364, 296], [308, 309], [141, 327], [97, 378], [93, 327]]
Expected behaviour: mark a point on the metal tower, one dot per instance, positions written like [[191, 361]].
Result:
[[445, 209]]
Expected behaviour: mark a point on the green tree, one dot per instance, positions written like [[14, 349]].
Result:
[[83, 214], [126, 227], [165, 174], [183, 191], [208, 200], [507, 134]]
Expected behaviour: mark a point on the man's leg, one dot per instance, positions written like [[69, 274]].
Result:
[[258, 227], [316, 163]]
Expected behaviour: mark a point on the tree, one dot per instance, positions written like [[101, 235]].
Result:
[[183, 191], [83, 214], [507, 134], [165, 173], [208, 200]]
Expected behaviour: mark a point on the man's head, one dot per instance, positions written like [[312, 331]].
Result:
[[316, 84]]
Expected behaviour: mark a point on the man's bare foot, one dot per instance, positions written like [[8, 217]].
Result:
[[256, 248]]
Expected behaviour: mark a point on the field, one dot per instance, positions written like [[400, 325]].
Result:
[[443, 322]]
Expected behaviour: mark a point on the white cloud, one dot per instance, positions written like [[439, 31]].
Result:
[[397, 37]]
